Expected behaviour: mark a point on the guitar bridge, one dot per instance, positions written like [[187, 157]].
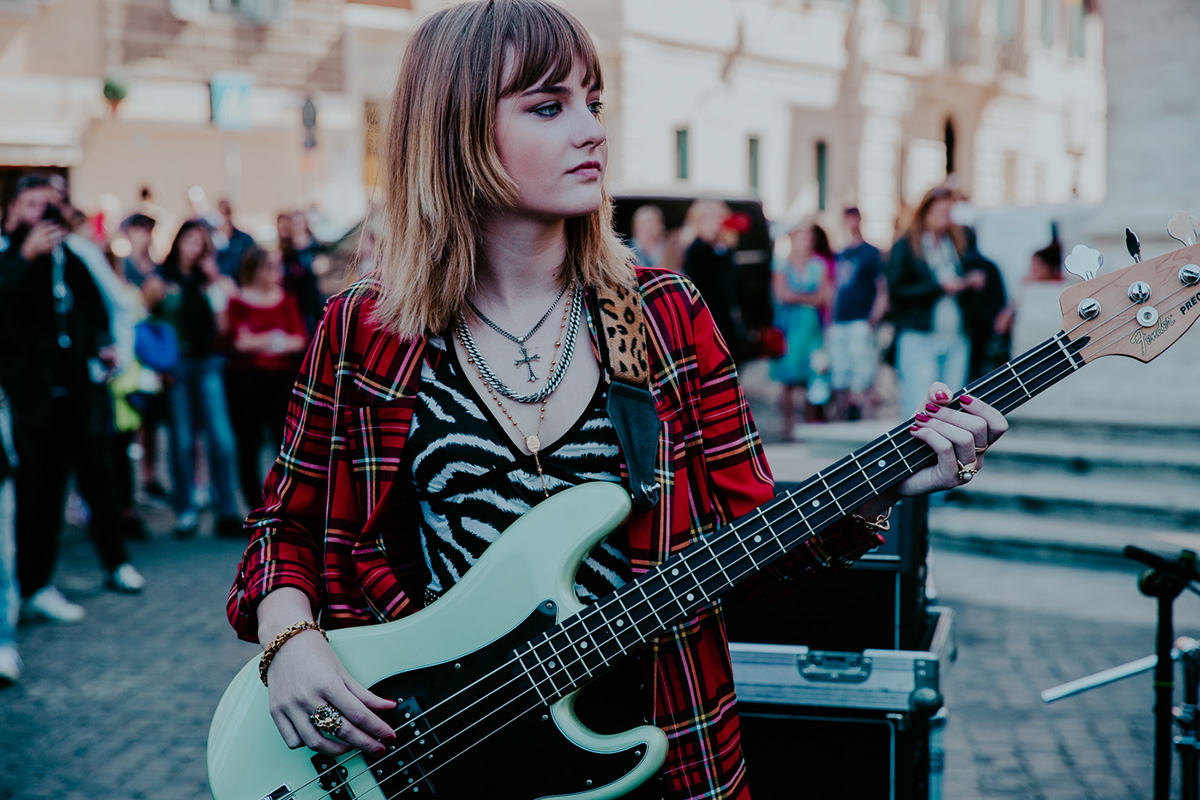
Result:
[[406, 765]]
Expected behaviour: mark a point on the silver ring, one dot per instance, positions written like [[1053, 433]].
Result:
[[966, 471]]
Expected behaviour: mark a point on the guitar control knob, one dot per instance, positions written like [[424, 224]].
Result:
[[1147, 317], [1089, 308], [1189, 275], [1139, 292]]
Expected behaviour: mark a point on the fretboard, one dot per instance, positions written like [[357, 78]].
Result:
[[568, 655]]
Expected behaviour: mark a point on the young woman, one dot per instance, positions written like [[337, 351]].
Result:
[[407, 454], [800, 287], [266, 336], [195, 306]]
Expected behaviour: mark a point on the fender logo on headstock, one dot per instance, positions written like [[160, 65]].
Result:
[[1144, 338], [1190, 303]]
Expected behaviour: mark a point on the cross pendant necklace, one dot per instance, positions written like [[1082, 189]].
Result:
[[527, 362]]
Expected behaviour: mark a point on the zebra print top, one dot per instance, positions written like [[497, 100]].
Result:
[[472, 482]]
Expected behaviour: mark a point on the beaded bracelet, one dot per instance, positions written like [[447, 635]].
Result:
[[268, 655], [879, 524]]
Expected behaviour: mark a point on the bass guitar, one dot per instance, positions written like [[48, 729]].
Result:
[[487, 676]]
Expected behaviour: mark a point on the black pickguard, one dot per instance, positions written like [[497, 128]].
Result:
[[488, 739]]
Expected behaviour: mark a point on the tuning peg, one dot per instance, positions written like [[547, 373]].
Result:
[[1133, 245], [1182, 228], [1084, 262]]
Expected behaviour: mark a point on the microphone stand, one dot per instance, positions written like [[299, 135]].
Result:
[[1164, 581]]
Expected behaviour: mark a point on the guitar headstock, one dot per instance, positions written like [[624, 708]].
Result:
[[1138, 311]]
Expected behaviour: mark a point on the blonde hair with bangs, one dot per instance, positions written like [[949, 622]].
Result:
[[443, 170]]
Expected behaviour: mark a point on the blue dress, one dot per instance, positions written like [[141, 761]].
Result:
[[801, 324]]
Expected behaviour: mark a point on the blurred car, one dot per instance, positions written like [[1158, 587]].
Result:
[[752, 257]]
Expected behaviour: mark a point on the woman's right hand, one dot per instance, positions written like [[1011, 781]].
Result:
[[305, 675]]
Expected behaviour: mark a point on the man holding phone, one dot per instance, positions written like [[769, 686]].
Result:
[[56, 348]]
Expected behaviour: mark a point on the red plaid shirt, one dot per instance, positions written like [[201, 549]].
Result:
[[337, 523]]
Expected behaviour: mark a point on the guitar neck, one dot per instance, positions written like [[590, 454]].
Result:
[[565, 657]]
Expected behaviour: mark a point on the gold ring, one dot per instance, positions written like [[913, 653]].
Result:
[[981, 450], [327, 720], [966, 471]]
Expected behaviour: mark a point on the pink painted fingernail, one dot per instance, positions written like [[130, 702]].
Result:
[[966, 400], [915, 428], [922, 418], [942, 396], [932, 409]]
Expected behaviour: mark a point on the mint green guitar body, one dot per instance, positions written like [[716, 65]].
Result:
[[450, 666]]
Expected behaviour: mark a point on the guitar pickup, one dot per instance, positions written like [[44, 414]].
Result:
[[406, 765], [332, 776]]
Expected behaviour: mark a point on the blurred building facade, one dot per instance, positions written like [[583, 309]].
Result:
[[809, 104]]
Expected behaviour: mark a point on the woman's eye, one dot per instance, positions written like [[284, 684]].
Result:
[[551, 110], [596, 106]]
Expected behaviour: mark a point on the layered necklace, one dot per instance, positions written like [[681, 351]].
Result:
[[558, 367], [525, 359], [572, 313]]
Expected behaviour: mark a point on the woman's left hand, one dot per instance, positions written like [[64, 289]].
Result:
[[959, 437]]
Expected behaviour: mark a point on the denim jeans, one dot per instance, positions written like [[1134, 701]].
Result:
[[10, 598], [197, 400], [922, 358]]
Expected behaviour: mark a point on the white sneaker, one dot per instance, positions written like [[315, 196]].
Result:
[[126, 579], [48, 605], [10, 664]]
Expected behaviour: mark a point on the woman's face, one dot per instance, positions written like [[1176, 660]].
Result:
[[802, 239], [191, 247], [270, 274], [551, 143], [937, 218]]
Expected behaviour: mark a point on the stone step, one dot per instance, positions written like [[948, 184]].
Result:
[[1137, 500], [1026, 449], [1023, 534]]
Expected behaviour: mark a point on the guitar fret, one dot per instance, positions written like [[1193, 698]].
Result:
[[650, 605], [1066, 353], [538, 664], [693, 575], [863, 470], [608, 628], [803, 518], [1020, 382], [746, 546], [688, 586], [829, 489]]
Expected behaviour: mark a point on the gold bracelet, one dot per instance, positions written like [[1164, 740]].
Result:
[[879, 524], [268, 655]]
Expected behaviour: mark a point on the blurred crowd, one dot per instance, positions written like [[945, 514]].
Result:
[[116, 339], [928, 307]]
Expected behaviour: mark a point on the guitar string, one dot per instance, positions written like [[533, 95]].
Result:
[[1052, 356], [565, 629]]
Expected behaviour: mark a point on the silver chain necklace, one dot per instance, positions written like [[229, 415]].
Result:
[[560, 369], [526, 360]]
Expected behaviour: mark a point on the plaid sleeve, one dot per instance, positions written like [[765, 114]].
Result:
[[739, 473], [288, 531]]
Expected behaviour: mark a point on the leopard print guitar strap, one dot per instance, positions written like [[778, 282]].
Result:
[[618, 311]]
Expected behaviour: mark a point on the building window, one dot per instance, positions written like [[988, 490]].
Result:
[[1049, 22], [822, 176], [681, 154], [753, 164], [1078, 30], [899, 9], [951, 144], [1006, 20]]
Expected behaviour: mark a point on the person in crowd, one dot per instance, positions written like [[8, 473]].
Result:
[[416, 364], [299, 250], [58, 349], [708, 262], [934, 279], [266, 337], [649, 235], [799, 288], [860, 302], [195, 307], [139, 264], [234, 242], [10, 658]]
